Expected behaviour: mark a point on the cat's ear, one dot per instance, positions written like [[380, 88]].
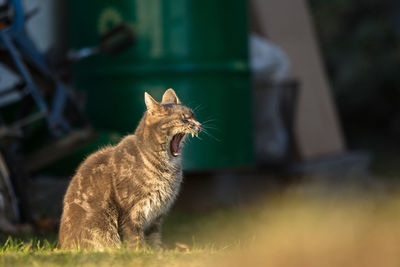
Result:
[[170, 97], [151, 104]]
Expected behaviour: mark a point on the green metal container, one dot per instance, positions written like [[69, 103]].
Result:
[[196, 47]]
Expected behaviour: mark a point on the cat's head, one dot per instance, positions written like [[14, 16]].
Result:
[[171, 121]]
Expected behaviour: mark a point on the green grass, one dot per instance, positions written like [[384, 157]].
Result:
[[292, 230], [48, 257], [199, 231]]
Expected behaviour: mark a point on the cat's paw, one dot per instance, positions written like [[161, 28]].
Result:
[[182, 246]]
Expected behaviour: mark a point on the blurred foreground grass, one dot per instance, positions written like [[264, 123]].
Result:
[[295, 229]]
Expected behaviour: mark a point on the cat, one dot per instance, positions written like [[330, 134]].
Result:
[[120, 194]]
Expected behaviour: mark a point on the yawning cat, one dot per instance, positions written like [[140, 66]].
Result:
[[120, 193]]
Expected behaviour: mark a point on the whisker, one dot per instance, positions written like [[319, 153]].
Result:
[[215, 129], [209, 127], [198, 107], [187, 141], [210, 135], [209, 120]]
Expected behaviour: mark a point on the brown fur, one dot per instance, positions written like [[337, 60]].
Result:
[[120, 193]]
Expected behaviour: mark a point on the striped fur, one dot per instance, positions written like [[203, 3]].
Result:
[[120, 193]]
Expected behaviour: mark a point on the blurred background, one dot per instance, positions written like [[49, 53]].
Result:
[[289, 92]]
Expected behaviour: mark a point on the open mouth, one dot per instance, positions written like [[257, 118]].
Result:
[[176, 144]]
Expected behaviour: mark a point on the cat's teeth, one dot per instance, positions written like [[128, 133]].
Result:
[[192, 135]]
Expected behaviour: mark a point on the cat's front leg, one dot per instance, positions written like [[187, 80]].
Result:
[[153, 234], [132, 234]]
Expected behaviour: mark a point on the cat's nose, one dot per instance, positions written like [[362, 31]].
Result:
[[198, 124]]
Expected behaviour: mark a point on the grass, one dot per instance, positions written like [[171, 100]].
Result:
[[297, 229], [197, 231], [46, 257]]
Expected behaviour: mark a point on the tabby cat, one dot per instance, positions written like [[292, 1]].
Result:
[[120, 193]]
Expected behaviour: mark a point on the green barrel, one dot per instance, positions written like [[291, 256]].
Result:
[[196, 47]]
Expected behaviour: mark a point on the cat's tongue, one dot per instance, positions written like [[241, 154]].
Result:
[[175, 144]]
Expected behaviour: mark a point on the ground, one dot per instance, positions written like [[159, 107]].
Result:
[[297, 228]]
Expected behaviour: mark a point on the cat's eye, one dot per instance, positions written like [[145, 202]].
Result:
[[187, 116]]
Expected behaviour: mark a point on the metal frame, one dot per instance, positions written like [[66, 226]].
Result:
[[19, 45]]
